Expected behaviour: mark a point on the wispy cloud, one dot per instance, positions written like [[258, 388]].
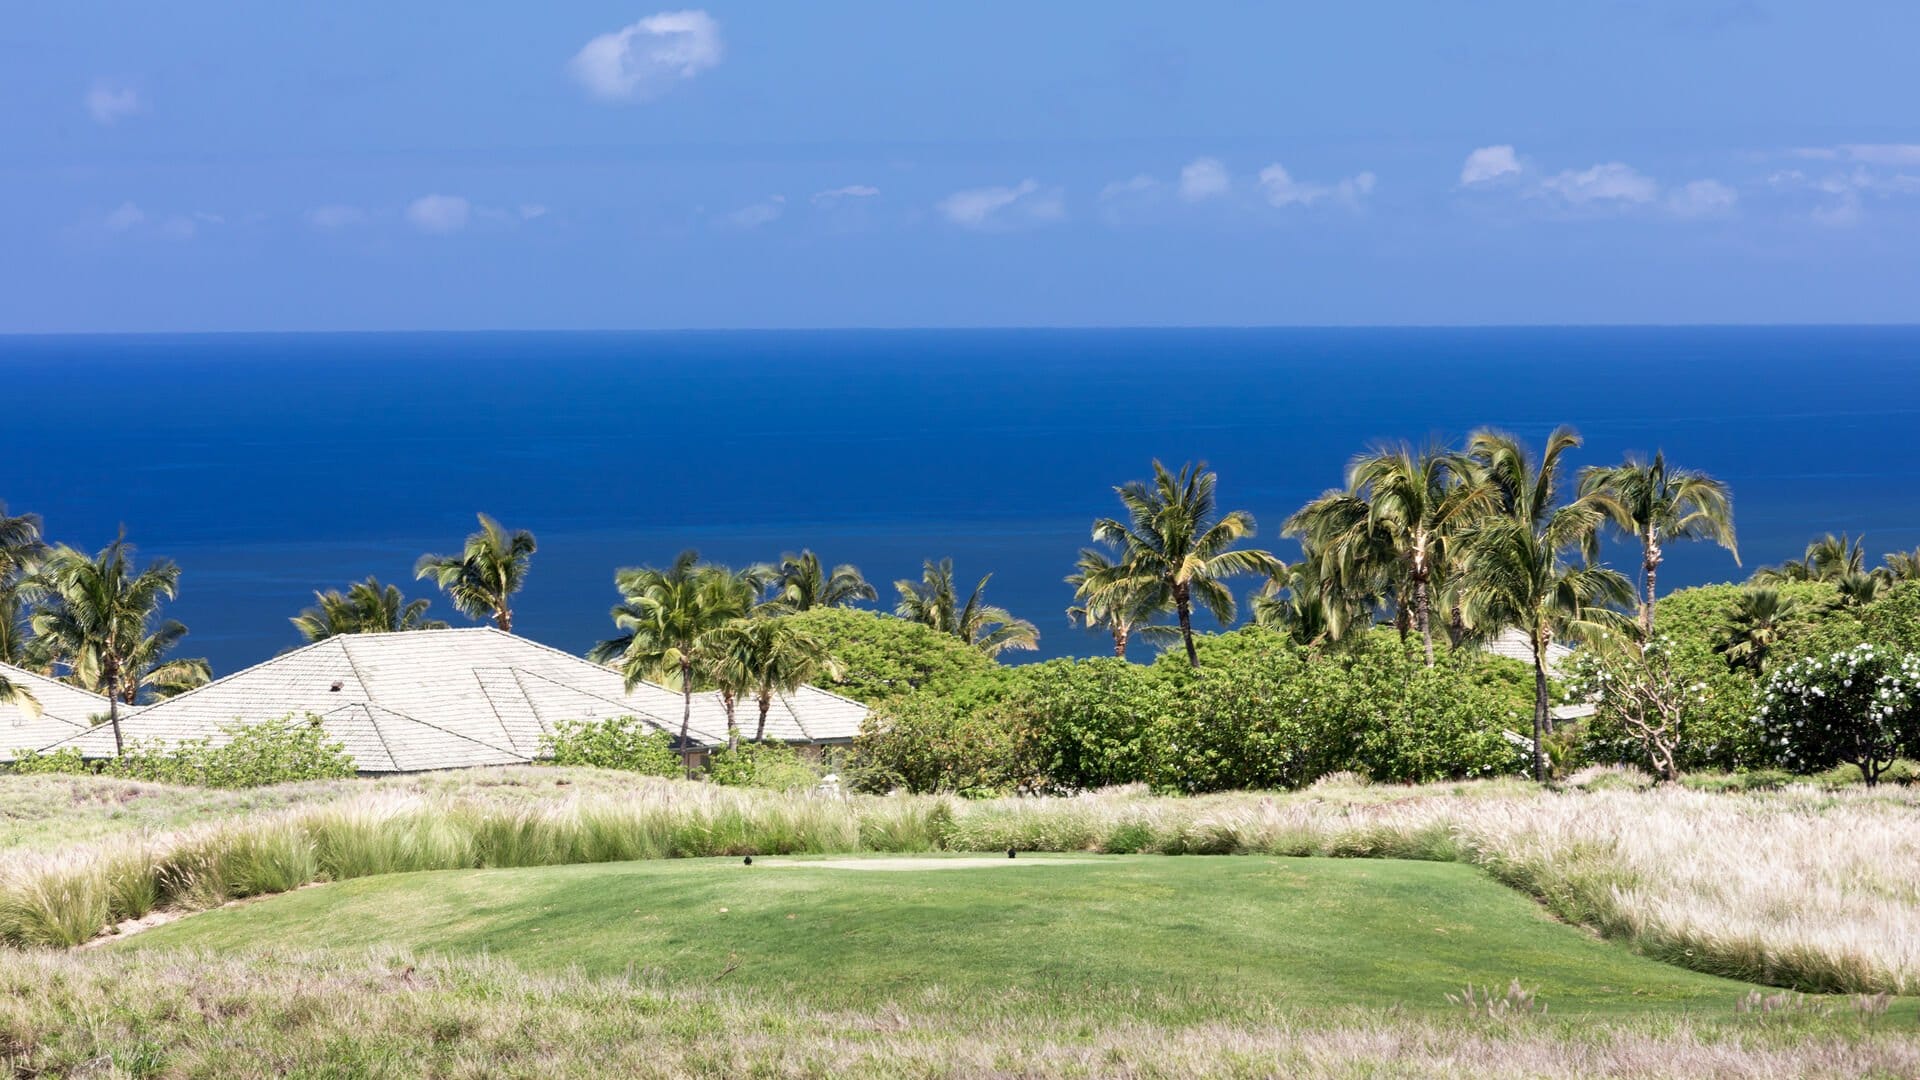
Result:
[[1612, 182], [642, 61], [851, 191], [990, 208], [335, 216], [1204, 178], [441, 214], [109, 102], [123, 217], [1489, 164], [754, 215], [1702, 199], [1283, 190]]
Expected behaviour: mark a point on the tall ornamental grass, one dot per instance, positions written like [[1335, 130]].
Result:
[[1804, 888]]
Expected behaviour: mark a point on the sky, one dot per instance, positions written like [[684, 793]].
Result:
[[487, 165]]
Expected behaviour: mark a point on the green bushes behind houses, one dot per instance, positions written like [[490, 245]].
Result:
[[1260, 712]]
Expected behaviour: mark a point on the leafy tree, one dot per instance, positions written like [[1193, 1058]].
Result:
[[1175, 534], [1859, 706], [802, 584], [666, 619], [1658, 506], [882, 656], [1528, 565], [482, 579], [366, 607], [97, 619], [764, 656], [622, 742], [1127, 608], [933, 601], [1637, 690]]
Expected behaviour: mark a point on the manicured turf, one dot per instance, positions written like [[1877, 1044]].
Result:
[[1152, 934]]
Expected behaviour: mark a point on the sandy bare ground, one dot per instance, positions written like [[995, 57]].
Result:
[[964, 863]]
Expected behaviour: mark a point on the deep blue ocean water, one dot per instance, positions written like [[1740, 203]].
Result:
[[272, 465]]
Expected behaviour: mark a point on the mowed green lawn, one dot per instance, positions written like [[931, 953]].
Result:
[[1187, 935]]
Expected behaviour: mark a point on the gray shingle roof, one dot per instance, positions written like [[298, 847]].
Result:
[[1513, 644], [445, 699], [64, 711]]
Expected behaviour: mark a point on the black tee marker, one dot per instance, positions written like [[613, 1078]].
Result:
[[749, 860], [1009, 853]]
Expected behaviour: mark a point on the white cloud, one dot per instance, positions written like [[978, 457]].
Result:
[[642, 61], [1489, 163], [1281, 189], [1702, 199], [757, 214], [439, 213], [1612, 182], [179, 227], [1204, 178], [1865, 153], [123, 217], [851, 191], [335, 216], [531, 211], [111, 102], [1002, 207]]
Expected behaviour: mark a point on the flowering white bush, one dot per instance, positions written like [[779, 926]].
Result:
[[1860, 705]]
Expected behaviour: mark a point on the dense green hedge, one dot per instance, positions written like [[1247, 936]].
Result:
[[1261, 712], [883, 657], [621, 742]]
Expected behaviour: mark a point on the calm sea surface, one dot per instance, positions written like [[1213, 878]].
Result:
[[269, 466]]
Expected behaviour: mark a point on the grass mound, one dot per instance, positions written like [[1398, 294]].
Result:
[[1181, 939]]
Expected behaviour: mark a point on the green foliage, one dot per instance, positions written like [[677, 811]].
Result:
[[964, 741], [882, 656], [252, 755], [1088, 724], [772, 765], [1859, 707], [623, 743]]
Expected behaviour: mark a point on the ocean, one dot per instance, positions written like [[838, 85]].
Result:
[[269, 466]]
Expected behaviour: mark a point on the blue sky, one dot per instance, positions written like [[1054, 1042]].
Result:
[[363, 165]]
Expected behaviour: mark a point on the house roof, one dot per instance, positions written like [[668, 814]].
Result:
[[445, 699], [64, 711], [1513, 644]]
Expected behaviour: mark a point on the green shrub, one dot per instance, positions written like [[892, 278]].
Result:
[[1859, 707], [622, 742], [252, 755], [772, 765], [930, 743], [1087, 724], [883, 657]]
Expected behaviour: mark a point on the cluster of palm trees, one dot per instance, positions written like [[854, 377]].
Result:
[[1763, 615], [95, 619], [1491, 535]]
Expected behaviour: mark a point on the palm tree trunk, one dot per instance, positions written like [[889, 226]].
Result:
[[1650, 562], [686, 715], [1422, 615], [1120, 640], [1456, 626], [1183, 602], [503, 618], [766, 703], [113, 717], [1540, 720], [733, 732]]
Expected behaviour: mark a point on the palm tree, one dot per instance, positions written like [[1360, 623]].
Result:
[[1127, 609], [21, 547], [482, 579], [1902, 566], [1529, 565], [802, 584], [1174, 534], [1761, 618], [1395, 524], [1829, 558], [97, 620], [932, 601], [666, 620], [17, 695], [1860, 587], [766, 656], [366, 607], [1656, 506]]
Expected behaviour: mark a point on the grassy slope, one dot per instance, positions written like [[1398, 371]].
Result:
[[1186, 939]]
